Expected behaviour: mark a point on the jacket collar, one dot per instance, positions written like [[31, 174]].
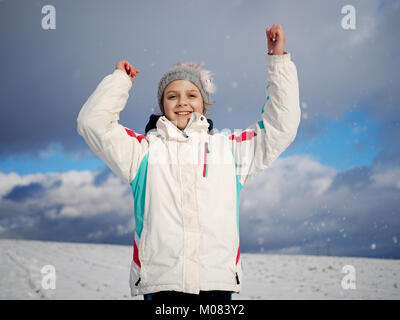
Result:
[[198, 124]]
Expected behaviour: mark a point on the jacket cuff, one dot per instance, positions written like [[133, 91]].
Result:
[[121, 74], [272, 60]]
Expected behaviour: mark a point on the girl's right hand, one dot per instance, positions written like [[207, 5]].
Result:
[[125, 66]]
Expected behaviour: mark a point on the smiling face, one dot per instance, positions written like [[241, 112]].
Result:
[[182, 98]]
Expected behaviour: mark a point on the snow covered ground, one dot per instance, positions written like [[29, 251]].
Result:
[[98, 271]]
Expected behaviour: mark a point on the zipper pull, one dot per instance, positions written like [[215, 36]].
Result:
[[237, 279], [207, 150], [137, 282]]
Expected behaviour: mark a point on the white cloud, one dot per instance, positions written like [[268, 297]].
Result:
[[387, 178], [70, 194], [298, 202], [8, 181]]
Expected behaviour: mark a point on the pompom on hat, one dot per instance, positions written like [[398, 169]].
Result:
[[192, 72]]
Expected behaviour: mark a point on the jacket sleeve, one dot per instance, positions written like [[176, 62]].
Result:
[[255, 148], [119, 147]]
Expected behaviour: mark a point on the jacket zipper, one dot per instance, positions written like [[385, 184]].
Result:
[[205, 159], [237, 278], [137, 282]]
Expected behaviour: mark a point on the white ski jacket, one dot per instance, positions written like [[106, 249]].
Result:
[[186, 184]]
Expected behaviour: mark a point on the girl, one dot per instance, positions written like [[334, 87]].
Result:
[[185, 179]]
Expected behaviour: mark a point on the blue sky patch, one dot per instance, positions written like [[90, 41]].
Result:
[[347, 142]]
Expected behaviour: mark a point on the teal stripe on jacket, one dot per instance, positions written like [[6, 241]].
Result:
[[139, 194]]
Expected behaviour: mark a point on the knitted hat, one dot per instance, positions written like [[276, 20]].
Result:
[[192, 72]]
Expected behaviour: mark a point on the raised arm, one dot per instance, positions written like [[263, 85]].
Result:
[[119, 147], [259, 145]]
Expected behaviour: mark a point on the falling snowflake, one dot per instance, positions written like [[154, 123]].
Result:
[[373, 246]]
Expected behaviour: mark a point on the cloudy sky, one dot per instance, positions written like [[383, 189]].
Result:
[[335, 190]]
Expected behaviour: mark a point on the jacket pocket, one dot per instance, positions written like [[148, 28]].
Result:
[[237, 278], [235, 255], [137, 282], [142, 255]]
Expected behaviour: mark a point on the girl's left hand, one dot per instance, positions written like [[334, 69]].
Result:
[[276, 39]]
